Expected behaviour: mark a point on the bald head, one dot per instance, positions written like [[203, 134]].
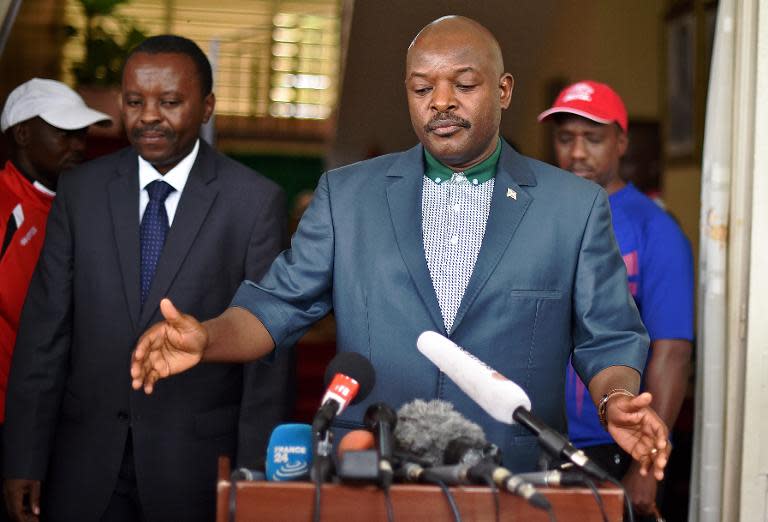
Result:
[[459, 32], [457, 88]]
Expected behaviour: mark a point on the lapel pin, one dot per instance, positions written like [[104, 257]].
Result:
[[511, 194]]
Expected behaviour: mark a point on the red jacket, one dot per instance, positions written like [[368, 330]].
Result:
[[24, 204]]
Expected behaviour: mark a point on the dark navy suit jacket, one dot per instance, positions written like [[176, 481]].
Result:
[[70, 402]]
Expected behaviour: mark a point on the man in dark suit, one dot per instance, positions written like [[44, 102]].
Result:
[[169, 216], [512, 259]]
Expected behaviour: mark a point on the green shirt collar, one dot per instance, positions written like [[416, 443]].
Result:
[[481, 172]]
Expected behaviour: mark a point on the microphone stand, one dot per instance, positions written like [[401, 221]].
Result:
[[321, 466], [321, 463]]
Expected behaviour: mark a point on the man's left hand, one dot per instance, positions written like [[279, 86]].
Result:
[[639, 431]]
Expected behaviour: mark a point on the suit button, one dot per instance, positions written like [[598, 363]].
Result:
[[123, 415]]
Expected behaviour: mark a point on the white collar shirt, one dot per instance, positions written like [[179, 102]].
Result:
[[176, 177]]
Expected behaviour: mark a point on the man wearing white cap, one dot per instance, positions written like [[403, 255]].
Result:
[[45, 124], [590, 137]]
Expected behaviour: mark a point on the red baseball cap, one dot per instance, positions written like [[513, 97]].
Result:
[[592, 100]]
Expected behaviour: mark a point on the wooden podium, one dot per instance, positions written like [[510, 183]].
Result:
[[294, 502]]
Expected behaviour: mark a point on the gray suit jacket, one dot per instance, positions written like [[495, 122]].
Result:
[[70, 403], [549, 282]]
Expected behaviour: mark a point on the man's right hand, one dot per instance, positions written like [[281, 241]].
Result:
[[167, 348], [15, 491]]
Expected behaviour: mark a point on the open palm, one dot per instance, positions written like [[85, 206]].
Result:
[[167, 348], [640, 432]]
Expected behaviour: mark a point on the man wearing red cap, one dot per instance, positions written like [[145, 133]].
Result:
[[590, 137]]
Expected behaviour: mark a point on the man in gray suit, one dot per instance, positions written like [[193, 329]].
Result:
[[168, 216], [512, 259]]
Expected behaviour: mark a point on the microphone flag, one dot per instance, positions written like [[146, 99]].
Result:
[[289, 454]]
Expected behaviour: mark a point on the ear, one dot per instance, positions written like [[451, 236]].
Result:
[[622, 142], [21, 134], [209, 103], [506, 86]]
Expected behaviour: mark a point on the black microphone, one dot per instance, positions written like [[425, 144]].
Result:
[[555, 477], [463, 474], [557, 445], [504, 479], [248, 474], [483, 461], [382, 420], [465, 450], [410, 471], [407, 471], [349, 378]]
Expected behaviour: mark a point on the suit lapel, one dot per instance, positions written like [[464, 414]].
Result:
[[196, 200], [505, 215], [404, 199], [123, 193]]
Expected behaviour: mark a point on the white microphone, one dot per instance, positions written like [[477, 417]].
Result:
[[501, 398], [496, 394]]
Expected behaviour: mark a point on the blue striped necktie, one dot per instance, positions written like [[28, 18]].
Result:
[[152, 232]]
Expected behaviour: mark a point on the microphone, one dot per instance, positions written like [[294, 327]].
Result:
[[501, 398], [381, 420], [464, 450], [555, 477], [556, 444], [505, 480], [355, 440], [349, 379], [463, 474], [496, 394], [247, 474], [482, 463], [424, 430], [358, 461], [289, 454]]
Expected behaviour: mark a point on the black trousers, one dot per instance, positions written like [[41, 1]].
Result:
[[124, 505]]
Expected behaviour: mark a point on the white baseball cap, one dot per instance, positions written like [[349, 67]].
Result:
[[52, 101]]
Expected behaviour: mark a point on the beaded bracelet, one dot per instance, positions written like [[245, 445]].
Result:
[[603, 405]]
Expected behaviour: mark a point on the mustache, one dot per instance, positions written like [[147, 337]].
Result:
[[138, 132], [446, 118], [579, 166]]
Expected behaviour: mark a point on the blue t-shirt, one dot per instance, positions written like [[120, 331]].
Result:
[[660, 276]]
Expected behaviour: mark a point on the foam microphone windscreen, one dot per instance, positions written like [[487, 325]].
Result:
[[424, 429], [289, 454]]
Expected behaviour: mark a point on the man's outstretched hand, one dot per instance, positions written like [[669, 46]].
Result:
[[640, 432], [167, 348]]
